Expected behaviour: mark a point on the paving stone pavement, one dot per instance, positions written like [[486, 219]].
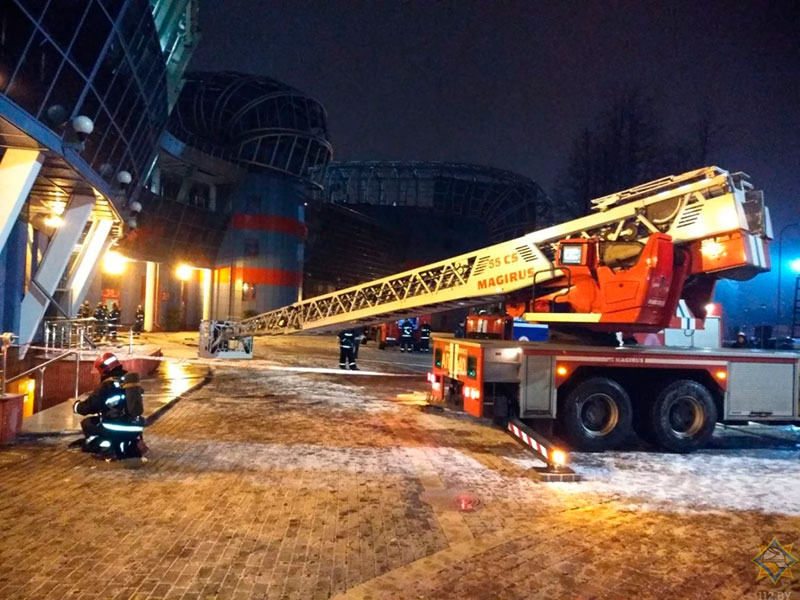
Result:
[[294, 485]]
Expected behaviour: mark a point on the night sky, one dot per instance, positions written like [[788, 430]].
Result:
[[510, 84]]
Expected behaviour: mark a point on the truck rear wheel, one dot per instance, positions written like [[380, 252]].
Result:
[[683, 416], [597, 415]]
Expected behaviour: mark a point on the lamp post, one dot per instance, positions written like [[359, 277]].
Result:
[[780, 267]]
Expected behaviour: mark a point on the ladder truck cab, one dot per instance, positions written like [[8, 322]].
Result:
[[619, 271]]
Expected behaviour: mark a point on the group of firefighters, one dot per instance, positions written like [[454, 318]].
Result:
[[106, 321], [350, 340]]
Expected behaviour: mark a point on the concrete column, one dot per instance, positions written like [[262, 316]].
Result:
[[54, 262], [18, 170], [150, 292], [93, 249]]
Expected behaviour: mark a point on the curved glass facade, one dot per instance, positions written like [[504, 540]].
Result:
[[255, 122], [509, 204], [97, 58]]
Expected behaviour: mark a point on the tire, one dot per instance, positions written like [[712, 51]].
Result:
[[683, 416], [597, 415]]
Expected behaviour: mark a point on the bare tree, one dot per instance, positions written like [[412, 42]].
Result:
[[624, 148]]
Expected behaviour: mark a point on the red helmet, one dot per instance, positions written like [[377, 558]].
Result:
[[106, 362]]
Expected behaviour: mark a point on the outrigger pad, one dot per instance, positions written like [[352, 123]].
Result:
[[548, 475]]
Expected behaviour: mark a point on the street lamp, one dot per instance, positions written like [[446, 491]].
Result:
[[780, 267], [114, 263]]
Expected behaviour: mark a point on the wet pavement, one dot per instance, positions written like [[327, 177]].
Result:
[[166, 385], [274, 483]]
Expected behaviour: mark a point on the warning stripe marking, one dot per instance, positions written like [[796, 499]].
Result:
[[529, 441]]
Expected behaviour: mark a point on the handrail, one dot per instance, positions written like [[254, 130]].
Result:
[[44, 364], [38, 368]]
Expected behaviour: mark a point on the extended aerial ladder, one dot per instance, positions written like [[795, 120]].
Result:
[[715, 221]]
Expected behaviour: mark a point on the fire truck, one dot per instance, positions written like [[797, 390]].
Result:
[[622, 270]]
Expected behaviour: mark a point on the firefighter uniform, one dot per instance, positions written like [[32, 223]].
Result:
[[425, 337], [113, 322], [100, 315], [109, 427], [347, 357], [138, 326], [406, 336]]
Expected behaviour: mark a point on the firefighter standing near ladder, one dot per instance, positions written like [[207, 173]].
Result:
[[425, 337], [346, 350], [406, 336], [113, 321]]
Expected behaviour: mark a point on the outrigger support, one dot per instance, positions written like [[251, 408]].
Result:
[[555, 458]]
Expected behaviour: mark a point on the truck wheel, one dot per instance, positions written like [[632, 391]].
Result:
[[597, 415], [683, 416]]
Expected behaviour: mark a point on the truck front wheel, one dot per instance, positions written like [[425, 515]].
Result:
[[683, 416], [597, 415]]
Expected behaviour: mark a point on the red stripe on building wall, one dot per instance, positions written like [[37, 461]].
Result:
[[270, 223], [269, 276]]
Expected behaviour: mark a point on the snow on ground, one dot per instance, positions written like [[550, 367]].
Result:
[[739, 472]]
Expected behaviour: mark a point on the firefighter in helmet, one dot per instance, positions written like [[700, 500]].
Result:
[[741, 341], [113, 321], [114, 422], [138, 326], [347, 359], [105, 403], [100, 316], [406, 336], [425, 337]]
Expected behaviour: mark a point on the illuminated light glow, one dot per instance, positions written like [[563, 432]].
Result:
[[467, 390], [474, 393], [114, 263], [794, 265], [561, 370], [53, 221], [30, 386], [559, 457], [58, 207], [721, 375], [511, 352], [436, 386], [709, 309], [183, 272], [123, 427], [711, 248]]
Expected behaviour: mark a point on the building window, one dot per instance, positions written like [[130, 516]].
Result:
[[248, 291]]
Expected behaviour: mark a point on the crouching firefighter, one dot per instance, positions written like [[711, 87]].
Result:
[[113, 423], [347, 344]]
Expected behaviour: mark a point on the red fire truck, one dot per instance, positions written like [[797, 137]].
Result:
[[620, 271]]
